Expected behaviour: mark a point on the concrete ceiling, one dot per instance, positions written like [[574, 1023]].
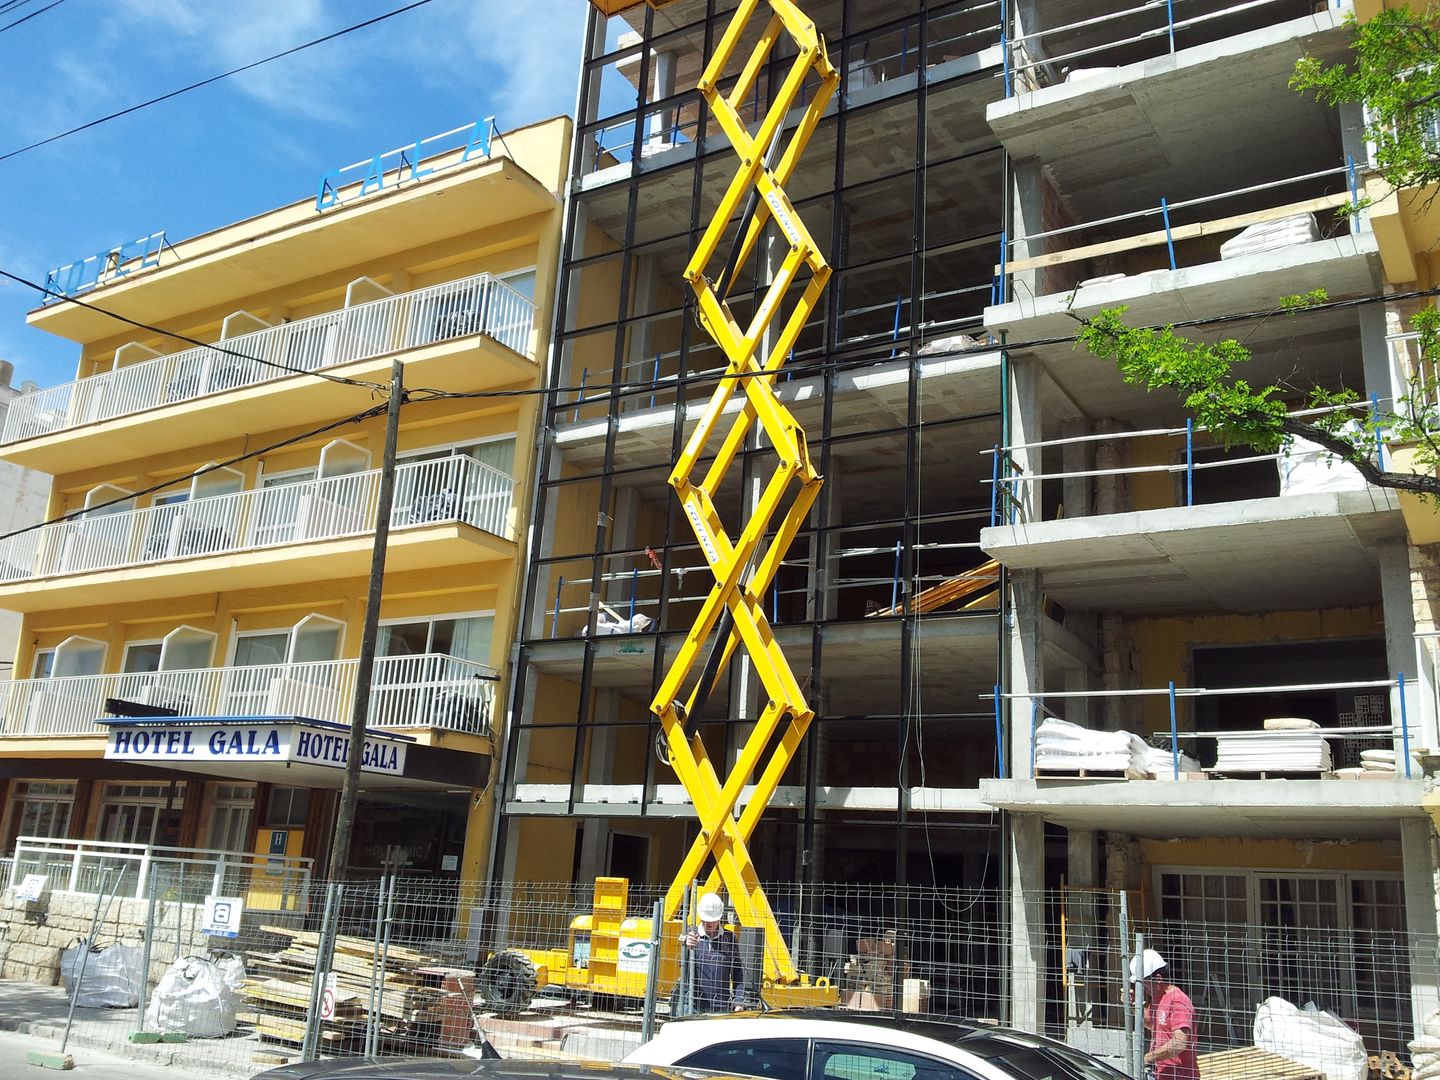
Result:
[[1285, 349], [1118, 139], [1166, 809], [954, 664], [1277, 554]]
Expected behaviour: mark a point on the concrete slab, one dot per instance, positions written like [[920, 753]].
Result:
[[1234, 556], [1163, 809]]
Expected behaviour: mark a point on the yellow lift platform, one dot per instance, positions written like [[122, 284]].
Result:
[[609, 953]]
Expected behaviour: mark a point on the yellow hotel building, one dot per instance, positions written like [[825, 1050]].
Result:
[[188, 659]]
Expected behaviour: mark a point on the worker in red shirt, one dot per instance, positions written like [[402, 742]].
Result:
[[1170, 1017]]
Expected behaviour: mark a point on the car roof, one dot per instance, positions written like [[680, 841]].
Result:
[[493, 1068]]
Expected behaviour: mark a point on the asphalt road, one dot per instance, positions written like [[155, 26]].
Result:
[[89, 1064]]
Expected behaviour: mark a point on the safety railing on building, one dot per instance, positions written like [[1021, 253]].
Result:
[[1182, 453], [427, 966], [429, 690], [1389, 718], [482, 304], [880, 64], [451, 489], [1071, 51], [1295, 198], [132, 871]]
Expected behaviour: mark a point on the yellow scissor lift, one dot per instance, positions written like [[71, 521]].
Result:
[[605, 945]]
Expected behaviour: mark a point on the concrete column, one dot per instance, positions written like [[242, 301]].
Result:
[[1375, 351], [821, 603], [595, 831], [1026, 219], [1026, 666], [622, 535], [659, 124], [1081, 959], [1026, 426], [1394, 555], [1027, 920], [1417, 844], [1076, 457]]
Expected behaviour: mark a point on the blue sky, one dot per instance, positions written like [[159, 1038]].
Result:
[[246, 144]]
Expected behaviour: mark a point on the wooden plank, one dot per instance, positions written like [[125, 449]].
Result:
[[1181, 232], [1253, 1063]]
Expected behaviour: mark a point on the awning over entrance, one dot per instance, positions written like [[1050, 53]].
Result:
[[290, 750]]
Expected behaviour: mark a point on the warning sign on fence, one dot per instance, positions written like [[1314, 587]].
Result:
[[222, 916]]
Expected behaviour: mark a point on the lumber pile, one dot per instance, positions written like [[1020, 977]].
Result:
[[980, 580], [279, 992]]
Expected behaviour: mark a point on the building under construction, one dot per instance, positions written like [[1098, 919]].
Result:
[[1010, 539]]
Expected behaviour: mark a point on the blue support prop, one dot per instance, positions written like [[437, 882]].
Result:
[[1170, 21], [1354, 192], [654, 380], [895, 330], [995, 487], [1404, 726], [1169, 239], [1004, 247], [634, 580], [555, 619], [1189, 461], [1034, 722], [1005, 49], [1379, 440], [999, 735], [775, 605], [584, 378], [1174, 736]]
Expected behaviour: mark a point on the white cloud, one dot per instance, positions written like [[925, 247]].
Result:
[[239, 32], [535, 50]]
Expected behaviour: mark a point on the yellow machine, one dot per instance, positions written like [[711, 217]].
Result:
[[609, 953]]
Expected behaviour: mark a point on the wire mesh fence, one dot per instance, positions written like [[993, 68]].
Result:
[[534, 970]]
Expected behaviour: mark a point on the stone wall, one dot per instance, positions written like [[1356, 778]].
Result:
[[34, 935]]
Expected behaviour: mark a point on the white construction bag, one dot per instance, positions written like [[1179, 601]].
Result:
[[1312, 1037], [111, 975], [199, 996]]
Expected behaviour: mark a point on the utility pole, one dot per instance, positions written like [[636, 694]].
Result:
[[349, 791]]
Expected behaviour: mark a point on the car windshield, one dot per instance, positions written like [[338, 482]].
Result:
[[1040, 1061]]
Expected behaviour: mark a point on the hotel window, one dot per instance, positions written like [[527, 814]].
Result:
[[41, 808], [142, 814], [230, 816]]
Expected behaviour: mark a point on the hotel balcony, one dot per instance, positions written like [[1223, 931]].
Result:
[[425, 691], [470, 334], [446, 512]]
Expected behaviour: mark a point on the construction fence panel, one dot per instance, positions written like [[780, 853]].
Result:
[[534, 970]]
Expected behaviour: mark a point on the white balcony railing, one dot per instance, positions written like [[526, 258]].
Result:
[[428, 690], [475, 305], [1410, 378], [429, 492], [187, 875]]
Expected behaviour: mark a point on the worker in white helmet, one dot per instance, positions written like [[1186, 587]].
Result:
[[1170, 1017], [719, 980]]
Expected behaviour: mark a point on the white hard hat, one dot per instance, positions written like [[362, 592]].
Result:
[[711, 908], [1145, 965]]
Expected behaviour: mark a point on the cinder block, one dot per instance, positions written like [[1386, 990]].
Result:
[[49, 1061]]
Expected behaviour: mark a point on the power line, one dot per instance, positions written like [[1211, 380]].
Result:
[[217, 347], [431, 394], [599, 392], [27, 18], [214, 79]]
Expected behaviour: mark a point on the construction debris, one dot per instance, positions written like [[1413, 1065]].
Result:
[[407, 993]]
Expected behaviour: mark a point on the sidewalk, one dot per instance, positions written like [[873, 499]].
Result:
[[39, 1012]]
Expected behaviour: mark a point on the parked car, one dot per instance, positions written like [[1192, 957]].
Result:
[[806, 1044], [461, 1068]]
